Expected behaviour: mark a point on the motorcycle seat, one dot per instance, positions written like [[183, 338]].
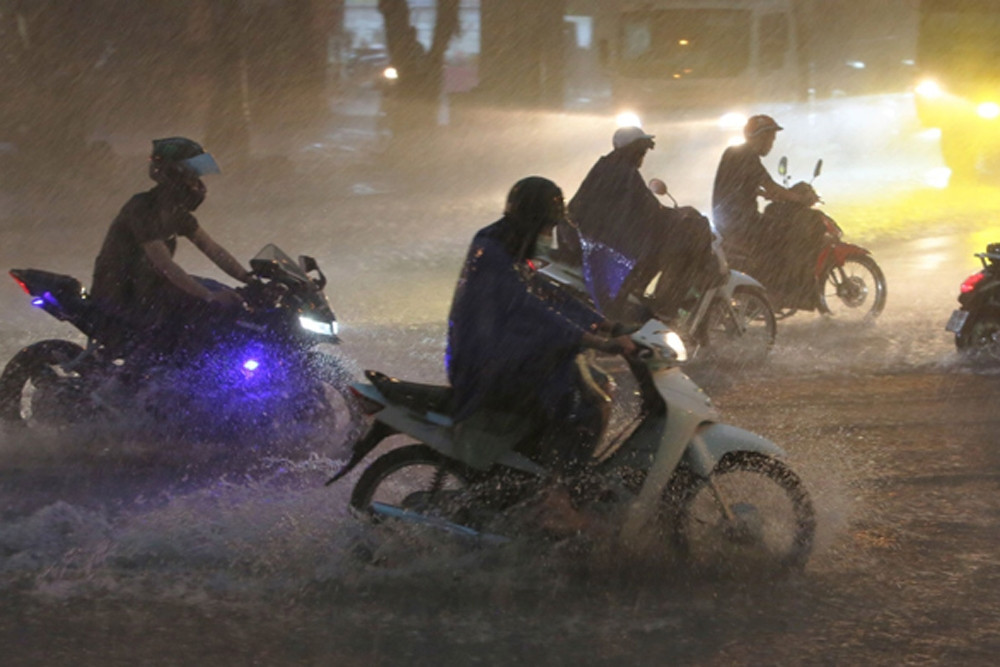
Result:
[[413, 395]]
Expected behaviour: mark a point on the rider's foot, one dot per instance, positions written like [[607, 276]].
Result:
[[556, 515]]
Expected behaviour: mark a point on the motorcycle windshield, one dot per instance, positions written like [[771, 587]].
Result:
[[276, 261]]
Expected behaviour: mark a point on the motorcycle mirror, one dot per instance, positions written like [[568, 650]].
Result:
[[783, 165], [308, 265], [658, 186], [819, 168]]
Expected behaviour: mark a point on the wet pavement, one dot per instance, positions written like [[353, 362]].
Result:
[[116, 550]]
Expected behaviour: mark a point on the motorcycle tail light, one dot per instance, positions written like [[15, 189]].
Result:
[[971, 282], [367, 405], [21, 283]]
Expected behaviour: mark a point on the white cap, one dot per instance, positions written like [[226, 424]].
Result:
[[626, 135]]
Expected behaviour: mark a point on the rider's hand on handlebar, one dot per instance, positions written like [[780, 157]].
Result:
[[624, 345]]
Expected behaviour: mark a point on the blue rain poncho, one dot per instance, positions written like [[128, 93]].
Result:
[[512, 338]]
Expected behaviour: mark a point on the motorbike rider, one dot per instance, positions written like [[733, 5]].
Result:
[[137, 283], [740, 179], [513, 338], [628, 236]]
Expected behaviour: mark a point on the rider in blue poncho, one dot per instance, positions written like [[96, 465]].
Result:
[[513, 338]]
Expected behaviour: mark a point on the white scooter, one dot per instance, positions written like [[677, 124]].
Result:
[[732, 321], [674, 476]]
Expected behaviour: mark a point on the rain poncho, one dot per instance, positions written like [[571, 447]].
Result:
[[512, 339]]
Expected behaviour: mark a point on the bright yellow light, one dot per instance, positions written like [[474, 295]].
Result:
[[683, 42], [732, 121], [988, 110], [929, 88], [390, 73], [628, 119]]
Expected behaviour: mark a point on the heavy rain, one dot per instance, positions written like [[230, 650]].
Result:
[[377, 137]]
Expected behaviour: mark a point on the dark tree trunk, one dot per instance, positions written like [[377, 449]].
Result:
[[416, 94]]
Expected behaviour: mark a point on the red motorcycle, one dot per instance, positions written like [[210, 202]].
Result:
[[846, 282]]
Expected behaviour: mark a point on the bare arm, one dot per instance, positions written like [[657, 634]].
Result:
[[219, 255], [774, 192], [159, 256]]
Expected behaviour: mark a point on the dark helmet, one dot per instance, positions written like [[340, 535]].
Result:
[[178, 164], [537, 199], [534, 204]]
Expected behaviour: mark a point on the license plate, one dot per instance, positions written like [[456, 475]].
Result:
[[956, 321]]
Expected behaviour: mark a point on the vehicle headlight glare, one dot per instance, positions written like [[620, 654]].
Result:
[[988, 110], [318, 327], [628, 119], [929, 88]]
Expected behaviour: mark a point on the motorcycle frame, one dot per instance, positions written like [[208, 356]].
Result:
[[690, 433]]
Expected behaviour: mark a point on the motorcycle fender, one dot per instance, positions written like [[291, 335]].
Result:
[[713, 441], [986, 295], [837, 254], [739, 279], [379, 431]]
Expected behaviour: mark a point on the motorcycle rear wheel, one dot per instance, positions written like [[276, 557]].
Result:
[[980, 336], [414, 478], [36, 388], [855, 291], [770, 525], [743, 333]]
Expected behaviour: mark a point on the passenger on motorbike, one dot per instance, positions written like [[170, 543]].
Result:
[[513, 339], [628, 236], [790, 240], [136, 281]]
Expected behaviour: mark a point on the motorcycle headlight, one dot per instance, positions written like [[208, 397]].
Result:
[[672, 340], [318, 326]]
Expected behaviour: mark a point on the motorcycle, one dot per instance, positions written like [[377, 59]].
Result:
[[731, 319], [674, 476], [264, 368], [846, 282], [976, 324]]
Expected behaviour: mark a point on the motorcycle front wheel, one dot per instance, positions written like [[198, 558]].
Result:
[[742, 331], [329, 408], [413, 478], [40, 386], [752, 517], [854, 291]]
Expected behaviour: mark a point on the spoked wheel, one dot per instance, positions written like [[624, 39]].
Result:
[[741, 331], [855, 291], [753, 516], [980, 336], [41, 386], [413, 478]]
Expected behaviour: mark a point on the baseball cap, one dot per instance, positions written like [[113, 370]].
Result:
[[625, 135], [759, 124]]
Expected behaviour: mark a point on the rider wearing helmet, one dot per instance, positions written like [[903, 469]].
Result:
[[740, 178], [513, 339], [627, 236], [136, 281]]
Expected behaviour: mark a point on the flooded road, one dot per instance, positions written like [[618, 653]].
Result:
[[120, 550]]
